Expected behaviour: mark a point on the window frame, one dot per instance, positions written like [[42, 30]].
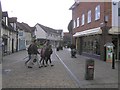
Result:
[[89, 16], [97, 12], [83, 20], [78, 22]]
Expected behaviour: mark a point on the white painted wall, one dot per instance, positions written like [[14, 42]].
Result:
[[40, 33], [115, 14], [28, 39]]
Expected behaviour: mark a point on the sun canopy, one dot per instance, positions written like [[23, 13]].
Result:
[[88, 32]]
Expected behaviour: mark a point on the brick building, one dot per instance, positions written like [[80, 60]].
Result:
[[94, 25]]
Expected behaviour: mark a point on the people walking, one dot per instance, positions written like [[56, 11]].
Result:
[[42, 54], [48, 53], [34, 52], [29, 54]]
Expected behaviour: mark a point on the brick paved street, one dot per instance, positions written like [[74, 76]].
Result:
[[16, 75], [67, 73]]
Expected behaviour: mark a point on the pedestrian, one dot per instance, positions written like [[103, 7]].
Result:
[[29, 54], [42, 54], [73, 51], [34, 52], [48, 53]]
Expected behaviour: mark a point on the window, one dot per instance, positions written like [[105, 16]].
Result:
[[78, 20], [118, 11], [74, 24], [20, 33], [89, 16], [83, 20], [97, 12]]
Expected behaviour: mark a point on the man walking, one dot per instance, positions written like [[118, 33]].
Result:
[[34, 52]]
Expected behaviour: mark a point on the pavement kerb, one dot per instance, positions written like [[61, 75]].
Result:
[[99, 74]]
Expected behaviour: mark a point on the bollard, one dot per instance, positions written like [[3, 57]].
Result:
[[113, 61], [89, 69]]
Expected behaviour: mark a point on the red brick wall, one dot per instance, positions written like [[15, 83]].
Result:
[[84, 7]]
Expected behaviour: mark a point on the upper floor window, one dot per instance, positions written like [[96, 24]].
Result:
[[20, 33], [118, 11], [97, 12], [83, 19], [89, 16], [74, 23], [78, 22], [6, 21]]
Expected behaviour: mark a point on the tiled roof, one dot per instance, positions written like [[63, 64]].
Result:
[[50, 30], [19, 25], [24, 26], [12, 19]]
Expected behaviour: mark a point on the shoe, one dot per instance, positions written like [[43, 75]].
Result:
[[29, 67], [52, 65], [45, 65], [39, 66]]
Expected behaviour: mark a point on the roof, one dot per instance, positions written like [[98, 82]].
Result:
[[73, 6], [24, 26], [49, 30], [12, 19]]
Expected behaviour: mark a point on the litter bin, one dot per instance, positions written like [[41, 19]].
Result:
[[89, 69]]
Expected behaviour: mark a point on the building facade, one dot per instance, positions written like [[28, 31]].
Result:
[[93, 27], [43, 33], [24, 35]]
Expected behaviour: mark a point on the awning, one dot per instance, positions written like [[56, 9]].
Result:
[[88, 32], [114, 30]]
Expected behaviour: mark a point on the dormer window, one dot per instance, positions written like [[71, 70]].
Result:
[[97, 12]]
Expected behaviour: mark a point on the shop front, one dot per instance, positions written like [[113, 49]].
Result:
[[88, 42]]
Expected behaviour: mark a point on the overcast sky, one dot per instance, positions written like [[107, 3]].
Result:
[[51, 13]]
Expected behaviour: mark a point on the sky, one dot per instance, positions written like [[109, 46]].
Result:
[[51, 13]]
